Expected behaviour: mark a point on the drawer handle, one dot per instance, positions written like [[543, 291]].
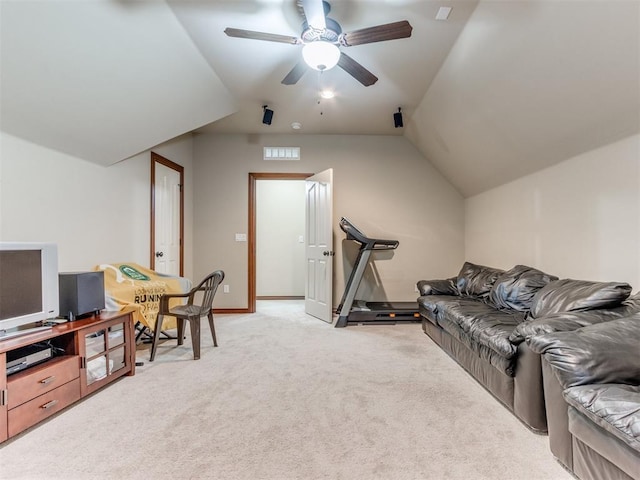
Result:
[[50, 404], [50, 379]]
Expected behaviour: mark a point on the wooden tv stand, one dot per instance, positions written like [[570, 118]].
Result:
[[89, 353]]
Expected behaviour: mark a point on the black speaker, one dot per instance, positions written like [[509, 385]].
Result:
[[80, 293], [397, 119], [267, 116]]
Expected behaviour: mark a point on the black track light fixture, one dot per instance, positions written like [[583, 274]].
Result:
[[267, 116], [397, 118]]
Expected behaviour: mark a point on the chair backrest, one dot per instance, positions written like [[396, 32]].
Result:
[[208, 287]]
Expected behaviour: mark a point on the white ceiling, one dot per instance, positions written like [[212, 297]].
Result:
[[253, 70], [500, 90]]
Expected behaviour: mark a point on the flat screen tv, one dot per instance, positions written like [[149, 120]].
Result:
[[28, 285]]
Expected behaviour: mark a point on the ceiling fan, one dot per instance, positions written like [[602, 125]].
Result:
[[322, 38]]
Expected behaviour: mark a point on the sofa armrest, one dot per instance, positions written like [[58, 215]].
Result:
[[563, 322], [606, 352], [438, 287]]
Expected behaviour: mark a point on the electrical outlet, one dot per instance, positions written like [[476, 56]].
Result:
[[225, 289]]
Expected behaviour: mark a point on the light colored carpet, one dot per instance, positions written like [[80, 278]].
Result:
[[286, 396]]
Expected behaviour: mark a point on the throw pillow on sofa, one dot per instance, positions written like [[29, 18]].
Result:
[[515, 288], [476, 280], [569, 295]]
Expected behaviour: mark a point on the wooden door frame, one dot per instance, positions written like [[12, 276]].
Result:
[[251, 236], [155, 158]]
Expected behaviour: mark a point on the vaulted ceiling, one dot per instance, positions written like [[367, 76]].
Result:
[[499, 90]]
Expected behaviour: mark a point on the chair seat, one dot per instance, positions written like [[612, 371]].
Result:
[[185, 311]]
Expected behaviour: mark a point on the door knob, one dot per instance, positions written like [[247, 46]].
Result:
[[159, 254]]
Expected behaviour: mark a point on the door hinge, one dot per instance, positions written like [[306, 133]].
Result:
[[180, 186]]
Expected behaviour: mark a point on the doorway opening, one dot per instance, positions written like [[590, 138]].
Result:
[[280, 243], [252, 233]]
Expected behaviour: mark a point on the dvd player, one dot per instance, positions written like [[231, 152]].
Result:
[[26, 357]]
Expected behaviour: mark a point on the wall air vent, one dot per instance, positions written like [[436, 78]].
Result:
[[281, 153]]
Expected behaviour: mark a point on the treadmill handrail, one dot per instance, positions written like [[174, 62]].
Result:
[[369, 243]]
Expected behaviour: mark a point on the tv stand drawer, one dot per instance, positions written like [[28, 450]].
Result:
[[36, 410], [40, 379]]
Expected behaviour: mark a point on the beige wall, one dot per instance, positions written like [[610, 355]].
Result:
[[280, 220], [95, 214], [381, 183], [579, 219]]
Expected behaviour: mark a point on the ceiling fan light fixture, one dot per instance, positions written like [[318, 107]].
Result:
[[327, 94], [321, 55]]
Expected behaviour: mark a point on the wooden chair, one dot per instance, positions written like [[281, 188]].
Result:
[[190, 312]]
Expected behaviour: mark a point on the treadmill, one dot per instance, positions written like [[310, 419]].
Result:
[[351, 311]]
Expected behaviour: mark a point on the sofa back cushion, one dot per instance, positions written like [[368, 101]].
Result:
[[476, 280], [515, 288], [569, 295], [606, 352]]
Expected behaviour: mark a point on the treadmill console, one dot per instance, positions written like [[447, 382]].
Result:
[[371, 243]]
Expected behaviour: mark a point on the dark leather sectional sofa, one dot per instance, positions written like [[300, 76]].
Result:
[[482, 317], [585, 392]]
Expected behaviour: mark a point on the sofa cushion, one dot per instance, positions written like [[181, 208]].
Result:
[[613, 407], [569, 295], [607, 352], [476, 280], [482, 323], [497, 360], [515, 288]]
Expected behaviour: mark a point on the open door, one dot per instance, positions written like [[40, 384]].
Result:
[[319, 249]]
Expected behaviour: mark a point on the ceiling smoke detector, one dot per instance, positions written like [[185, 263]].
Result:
[[443, 13]]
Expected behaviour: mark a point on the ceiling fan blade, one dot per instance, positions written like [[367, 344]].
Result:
[[295, 74], [269, 37], [380, 33], [314, 13], [357, 71]]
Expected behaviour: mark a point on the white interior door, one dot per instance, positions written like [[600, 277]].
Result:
[[319, 248], [167, 220]]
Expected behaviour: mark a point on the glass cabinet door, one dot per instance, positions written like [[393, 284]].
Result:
[[94, 343], [105, 351], [116, 347], [95, 349]]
